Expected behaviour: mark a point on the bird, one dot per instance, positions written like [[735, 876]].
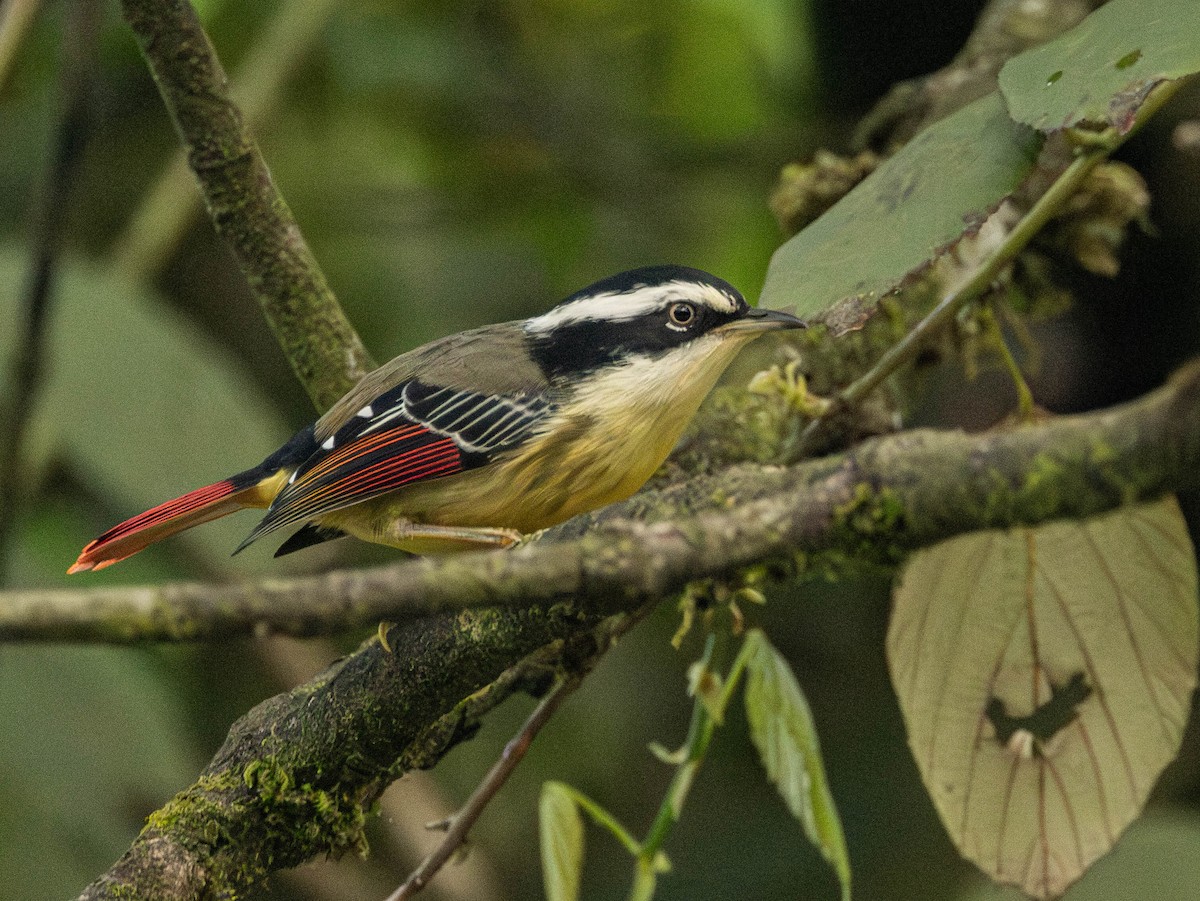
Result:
[[481, 437]]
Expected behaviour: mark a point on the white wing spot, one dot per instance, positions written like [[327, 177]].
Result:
[[292, 477], [366, 412], [328, 445], [384, 418]]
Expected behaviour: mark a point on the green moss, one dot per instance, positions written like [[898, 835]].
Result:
[[864, 526], [292, 817], [194, 811], [266, 808], [1039, 494]]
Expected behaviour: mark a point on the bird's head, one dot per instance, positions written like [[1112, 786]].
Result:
[[657, 314]]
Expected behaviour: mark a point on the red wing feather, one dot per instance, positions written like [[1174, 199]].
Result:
[[365, 467]]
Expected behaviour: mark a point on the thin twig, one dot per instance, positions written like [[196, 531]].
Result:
[[79, 63], [460, 824]]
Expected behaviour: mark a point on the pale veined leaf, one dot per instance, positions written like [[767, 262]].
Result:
[[1045, 675]]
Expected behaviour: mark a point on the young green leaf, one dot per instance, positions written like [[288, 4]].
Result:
[[1045, 676], [1101, 71], [782, 729], [561, 831]]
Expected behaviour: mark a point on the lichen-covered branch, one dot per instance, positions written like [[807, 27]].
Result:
[[1004, 29], [154, 231], [248, 211], [298, 773], [882, 498]]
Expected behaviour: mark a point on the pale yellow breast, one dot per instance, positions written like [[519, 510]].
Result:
[[601, 448]]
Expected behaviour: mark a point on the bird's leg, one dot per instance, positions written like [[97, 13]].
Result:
[[420, 538]]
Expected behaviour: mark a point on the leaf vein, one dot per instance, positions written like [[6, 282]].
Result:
[[1097, 684]]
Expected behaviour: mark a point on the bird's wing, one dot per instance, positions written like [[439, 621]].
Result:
[[457, 362], [411, 433]]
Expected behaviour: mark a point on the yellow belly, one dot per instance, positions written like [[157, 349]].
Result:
[[600, 450], [561, 476]]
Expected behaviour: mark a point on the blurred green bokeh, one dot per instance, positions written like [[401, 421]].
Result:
[[454, 164]]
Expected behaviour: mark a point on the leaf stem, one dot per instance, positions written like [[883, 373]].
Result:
[[700, 733], [1025, 404], [605, 820]]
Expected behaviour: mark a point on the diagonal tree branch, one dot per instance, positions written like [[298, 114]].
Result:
[[459, 825], [245, 206], [297, 774], [154, 231]]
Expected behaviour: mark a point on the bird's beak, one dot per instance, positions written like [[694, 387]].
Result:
[[758, 319]]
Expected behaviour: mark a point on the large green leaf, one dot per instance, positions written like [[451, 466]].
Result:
[[1045, 677], [782, 728], [905, 214], [141, 402], [561, 829], [1101, 70]]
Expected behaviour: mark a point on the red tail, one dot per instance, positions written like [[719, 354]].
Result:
[[203, 504]]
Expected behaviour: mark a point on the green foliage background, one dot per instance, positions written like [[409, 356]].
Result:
[[454, 164]]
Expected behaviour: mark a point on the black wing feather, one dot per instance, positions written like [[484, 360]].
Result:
[[413, 432]]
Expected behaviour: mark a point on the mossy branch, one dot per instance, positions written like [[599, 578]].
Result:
[[877, 501], [245, 206], [298, 773]]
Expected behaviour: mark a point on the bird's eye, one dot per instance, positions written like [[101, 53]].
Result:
[[682, 314]]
